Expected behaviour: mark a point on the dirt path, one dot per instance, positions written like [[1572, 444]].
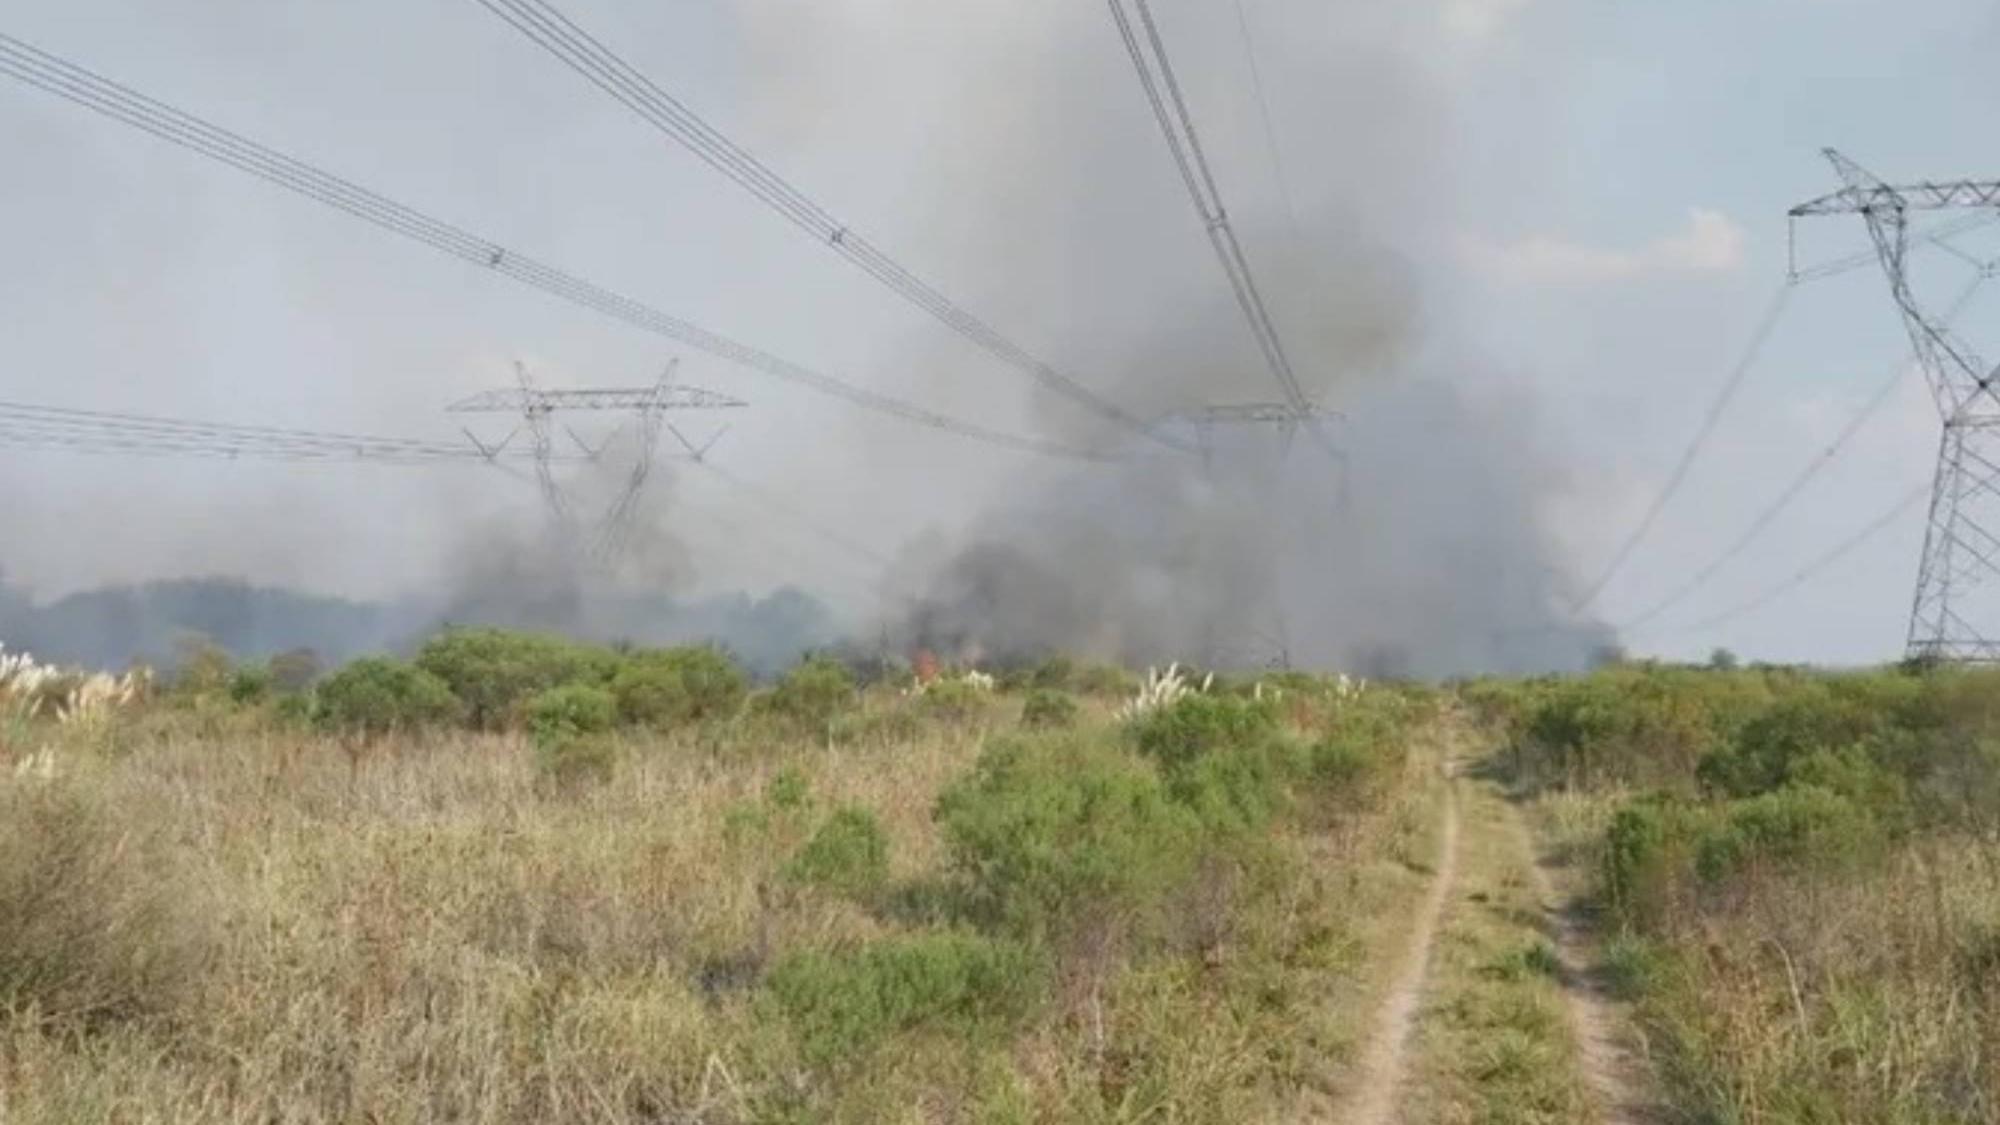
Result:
[[1610, 1066], [1380, 1075]]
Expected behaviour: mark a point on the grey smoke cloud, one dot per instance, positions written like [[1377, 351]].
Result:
[[1001, 149], [1435, 561]]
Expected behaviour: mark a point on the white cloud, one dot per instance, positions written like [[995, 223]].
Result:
[[1479, 19], [1710, 243]]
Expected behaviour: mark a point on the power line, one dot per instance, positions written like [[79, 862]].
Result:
[[1270, 126], [1148, 52], [118, 433], [1769, 515], [76, 84], [771, 500], [1812, 570], [1675, 479], [555, 33], [101, 431]]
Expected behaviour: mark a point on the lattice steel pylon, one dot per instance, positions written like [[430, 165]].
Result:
[[1269, 643], [611, 531], [1955, 614]]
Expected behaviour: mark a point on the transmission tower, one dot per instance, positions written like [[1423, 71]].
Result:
[[1955, 615], [647, 410], [1270, 644]]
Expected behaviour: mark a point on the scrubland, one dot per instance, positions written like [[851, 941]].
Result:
[[522, 880], [1795, 878]]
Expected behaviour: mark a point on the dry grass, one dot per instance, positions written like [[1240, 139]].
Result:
[[257, 924], [1798, 999]]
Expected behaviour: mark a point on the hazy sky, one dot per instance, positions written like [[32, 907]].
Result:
[[1588, 197]]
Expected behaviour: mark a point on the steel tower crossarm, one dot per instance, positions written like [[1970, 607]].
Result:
[[1865, 193], [1955, 614]]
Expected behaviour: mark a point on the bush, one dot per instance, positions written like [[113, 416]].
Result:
[[1645, 845], [812, 693], [563, 713], [494, 671], [840, 1005], [1197, 725], [954, 701], [1761, 756], [1363, 748], [96, 924], [1053, 831], [378, 695], [1633, 724], [663, 688], [1056, 673], [1795, 826], [1238, 790], [849, 855], [249, 685], [1049, 710], [1106, 681]]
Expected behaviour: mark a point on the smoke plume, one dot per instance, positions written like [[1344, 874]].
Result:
[[1421, 550]]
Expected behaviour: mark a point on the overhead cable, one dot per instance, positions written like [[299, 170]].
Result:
[[1148, 51], [70, 81], [1783, 500], [1758, 339], [547, 27], [1812, 570], [99, 431]]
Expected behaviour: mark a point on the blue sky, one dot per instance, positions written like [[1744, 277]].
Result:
[[1590, 196]]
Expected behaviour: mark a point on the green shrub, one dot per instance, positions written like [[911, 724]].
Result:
[[1177, 736], [97, 923], [378, 695], [1642, 846], [840, 1005], [663, 688], [494, 671], [249, 685], [1634, 724], [812, 693], [294, 709], [1047, 709], [1106, 681], [1759, 759], [1241, 789], [1053, 831], [1363, 750], [1057, 673], [1795, 826], [848, 855], [954, 701], [570, 711]]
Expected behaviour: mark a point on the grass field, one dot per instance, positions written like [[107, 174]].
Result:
[[517, 879], [504, 899], [1796, 878]]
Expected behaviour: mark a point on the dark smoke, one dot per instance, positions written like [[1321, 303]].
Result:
[[1424, 554], [1429, 556]]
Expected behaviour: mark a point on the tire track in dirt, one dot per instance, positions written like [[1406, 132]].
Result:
[[1380, 1075], [1611, 1069]]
